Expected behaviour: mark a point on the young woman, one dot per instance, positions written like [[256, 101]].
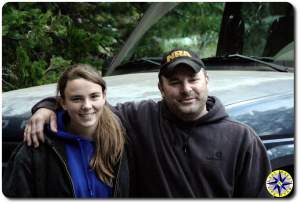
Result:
[[85, 158]]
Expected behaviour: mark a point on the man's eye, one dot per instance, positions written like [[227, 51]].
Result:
[[174, 82], [194, 79]]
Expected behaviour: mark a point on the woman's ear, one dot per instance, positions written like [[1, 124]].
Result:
[[62, 103], [104, 94]]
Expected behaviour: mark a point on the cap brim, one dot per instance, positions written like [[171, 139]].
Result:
[[170, 68]]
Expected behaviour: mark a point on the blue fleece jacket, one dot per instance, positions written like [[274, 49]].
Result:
[[79, 152]]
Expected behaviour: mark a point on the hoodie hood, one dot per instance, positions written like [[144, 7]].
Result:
[[62, 117], [216, 112]]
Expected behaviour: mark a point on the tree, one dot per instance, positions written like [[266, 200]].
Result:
[[41, 39]]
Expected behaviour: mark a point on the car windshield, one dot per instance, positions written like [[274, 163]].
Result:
[[262, 31]]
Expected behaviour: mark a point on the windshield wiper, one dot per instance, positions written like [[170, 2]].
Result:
[[148, 64], [154, 61], [271, 65]]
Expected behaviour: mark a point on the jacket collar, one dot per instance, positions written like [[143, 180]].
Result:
[[62, 119]]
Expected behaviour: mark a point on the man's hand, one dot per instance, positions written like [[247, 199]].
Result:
[[34, 130]]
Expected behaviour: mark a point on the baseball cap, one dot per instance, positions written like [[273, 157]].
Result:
[[177, 56]]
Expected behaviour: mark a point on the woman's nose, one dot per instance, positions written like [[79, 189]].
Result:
[[87, 104]]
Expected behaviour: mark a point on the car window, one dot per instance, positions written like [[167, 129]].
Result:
[[252, 28], [190, 25], [268, 28]]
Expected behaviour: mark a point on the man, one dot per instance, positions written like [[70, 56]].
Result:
[[184, 145]]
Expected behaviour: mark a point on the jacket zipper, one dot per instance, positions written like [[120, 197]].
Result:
[[117, 179], [66, 168]]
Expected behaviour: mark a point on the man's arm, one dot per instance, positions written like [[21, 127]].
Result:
[[43, 113], [49, 103]]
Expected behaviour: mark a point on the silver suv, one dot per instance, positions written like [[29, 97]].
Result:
[[250, 63]]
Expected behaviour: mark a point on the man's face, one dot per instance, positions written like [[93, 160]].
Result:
[[185, 93]]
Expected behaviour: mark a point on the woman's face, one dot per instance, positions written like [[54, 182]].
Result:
[[84, 101]]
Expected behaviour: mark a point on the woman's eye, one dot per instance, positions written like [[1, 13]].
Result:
[[75, 99], [95, 96]]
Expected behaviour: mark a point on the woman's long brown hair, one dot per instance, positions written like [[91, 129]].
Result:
[[109, 135]]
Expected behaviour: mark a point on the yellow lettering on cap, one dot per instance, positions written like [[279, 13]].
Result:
[[178, 53]]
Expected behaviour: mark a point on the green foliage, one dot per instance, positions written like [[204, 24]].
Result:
[[39, 40]]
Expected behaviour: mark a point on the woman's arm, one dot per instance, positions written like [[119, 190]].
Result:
[[18, 175]]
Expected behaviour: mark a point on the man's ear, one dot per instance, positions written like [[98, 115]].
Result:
[[206, 76], [161, 89]]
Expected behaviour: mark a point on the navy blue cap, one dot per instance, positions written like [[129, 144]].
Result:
[[179, 56]]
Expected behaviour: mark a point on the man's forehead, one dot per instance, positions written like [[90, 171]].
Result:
[[184, 71]]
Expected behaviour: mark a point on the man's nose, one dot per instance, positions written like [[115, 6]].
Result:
[[186, 87]]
